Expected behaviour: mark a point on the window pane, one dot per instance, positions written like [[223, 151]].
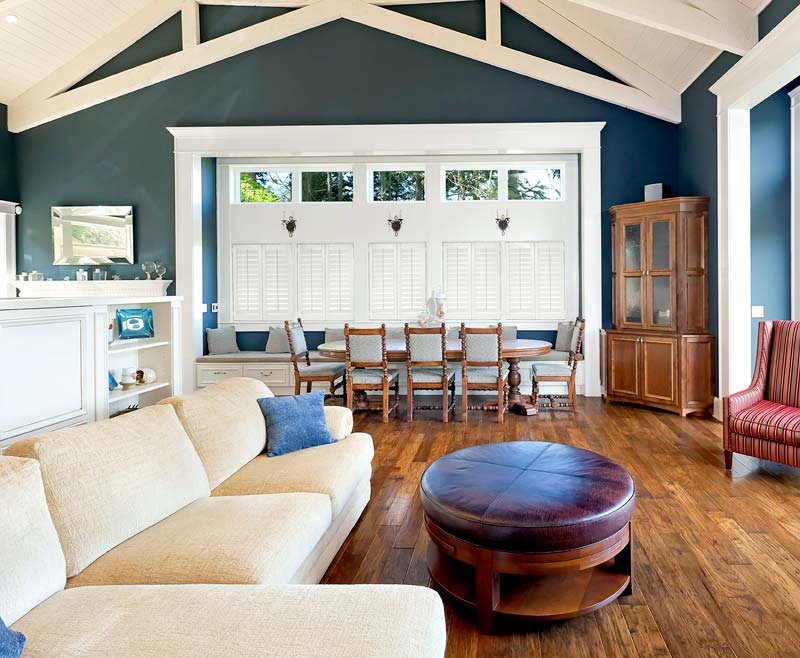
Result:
[[534, 184], [398, 186], [470, 185], [265, 187], [327, 186]]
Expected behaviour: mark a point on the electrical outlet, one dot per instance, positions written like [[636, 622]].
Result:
[[758, 311], [215, 307]]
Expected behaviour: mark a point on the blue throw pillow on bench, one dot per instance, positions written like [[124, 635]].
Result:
[[295, 422], [11, 642]]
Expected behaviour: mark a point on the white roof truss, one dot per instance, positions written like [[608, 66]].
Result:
[[723, 24]]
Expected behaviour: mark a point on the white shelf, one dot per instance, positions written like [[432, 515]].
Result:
[[121, 394], [122, 347]]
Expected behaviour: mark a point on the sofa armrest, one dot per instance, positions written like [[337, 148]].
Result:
[[339, 421], [744, 400]]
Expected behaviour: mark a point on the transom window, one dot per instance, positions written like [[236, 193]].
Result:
[[534, 184], [471, 184], [327, 186], [265, 187], [398, 185]]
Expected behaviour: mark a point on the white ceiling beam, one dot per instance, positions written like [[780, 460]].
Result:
[[22, 116], [101, 51], [576, 37], [305, 3], [723, 24], [513, 60], [190, 24], [493, 21]]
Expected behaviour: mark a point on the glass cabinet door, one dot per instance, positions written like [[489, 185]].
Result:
[[632, 258], [660, 273]]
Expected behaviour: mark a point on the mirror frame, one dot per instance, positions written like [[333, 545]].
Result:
[[117, 216]]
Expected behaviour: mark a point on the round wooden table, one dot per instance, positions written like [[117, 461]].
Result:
[[534, 530], [513, 351]]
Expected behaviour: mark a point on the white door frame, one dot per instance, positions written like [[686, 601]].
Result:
[[794, 95], [192, 144], [772, 64], [8, 248]]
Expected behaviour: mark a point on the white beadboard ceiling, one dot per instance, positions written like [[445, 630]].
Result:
[[658, 47]]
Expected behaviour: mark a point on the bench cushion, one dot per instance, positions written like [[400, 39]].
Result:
[[334, 470], [234, 540], [225, 424], [261, 357], [107, 481], [31, 561], [219, 621]]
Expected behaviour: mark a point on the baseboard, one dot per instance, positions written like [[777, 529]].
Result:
[[718, 409]]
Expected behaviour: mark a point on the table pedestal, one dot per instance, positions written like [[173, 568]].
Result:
[[516, 403]]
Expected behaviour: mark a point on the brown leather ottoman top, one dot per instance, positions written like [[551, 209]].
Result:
[[527, 496]]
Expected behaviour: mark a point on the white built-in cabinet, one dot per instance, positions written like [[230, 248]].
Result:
[[56, 356]]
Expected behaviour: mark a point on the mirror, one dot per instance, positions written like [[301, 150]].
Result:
[[92, 235]]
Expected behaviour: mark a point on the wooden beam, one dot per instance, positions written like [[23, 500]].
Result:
[[512, 60], [493, 21], [190, 24], [22, 116], [305, 3], [723, 24]]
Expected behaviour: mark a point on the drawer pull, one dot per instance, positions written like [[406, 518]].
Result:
[[268, 373], [220, 372]]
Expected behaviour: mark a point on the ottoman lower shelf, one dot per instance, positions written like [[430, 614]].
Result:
[[534, 598]]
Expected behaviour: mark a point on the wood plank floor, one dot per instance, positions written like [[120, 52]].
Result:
[[717, 555]]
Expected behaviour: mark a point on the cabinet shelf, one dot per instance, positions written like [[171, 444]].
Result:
[[123, 394], [120, 347]]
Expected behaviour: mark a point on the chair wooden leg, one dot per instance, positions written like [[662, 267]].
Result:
[[397, 396], [296, 385], [349, 395], [535, 395], [409, 401], [500, 402], [728, 459], [445, 403], [464, 400], [308, 386], [385, 401], [571, 390]]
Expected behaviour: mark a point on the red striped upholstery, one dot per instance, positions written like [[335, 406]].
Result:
[[784, 368], [783, 453], [768, 420]]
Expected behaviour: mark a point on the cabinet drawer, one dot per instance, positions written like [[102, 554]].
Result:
[[272, 374], [215, 372]]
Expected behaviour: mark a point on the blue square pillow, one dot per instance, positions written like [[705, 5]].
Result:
[[11, 642], [295, 422]]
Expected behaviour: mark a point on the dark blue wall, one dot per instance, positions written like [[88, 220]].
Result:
[[9, 190], [119, 152], [209, 236]]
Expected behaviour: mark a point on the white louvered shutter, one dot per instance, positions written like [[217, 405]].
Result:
[[277, 271], [520, 291], [311, 282], [550, 281], [340, 282], [382, 281], [486, 280], [412, 284], [457, 279], [247, 283]]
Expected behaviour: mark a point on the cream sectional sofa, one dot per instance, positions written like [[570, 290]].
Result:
[[193, 542]]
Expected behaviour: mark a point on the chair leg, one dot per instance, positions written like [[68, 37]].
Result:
[[500, 401], [571, 390], [464, 400], [445, 402], [348, 396], [296, 384], [409, 401], [308, 386], [728, 459], [397, 396], [535, 395], [385, 401]]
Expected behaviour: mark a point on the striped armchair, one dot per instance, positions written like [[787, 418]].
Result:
[[764, 420]]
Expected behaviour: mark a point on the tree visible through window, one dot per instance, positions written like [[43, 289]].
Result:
[[327, 186], [265, 187], [398, 186], [534, 184], [471, 185]]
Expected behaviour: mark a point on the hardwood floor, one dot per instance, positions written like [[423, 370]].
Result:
[[716, 556]]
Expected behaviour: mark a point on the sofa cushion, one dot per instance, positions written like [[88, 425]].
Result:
[[334, 470], [295, 422], [784, 368], [768, 420], [219, 621], [339, 421], [107, 481], [31, 561], [225, 424], [233, 540], [11, 642]]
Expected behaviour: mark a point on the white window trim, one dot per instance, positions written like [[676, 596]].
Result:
[[529, 139], [794, 95]]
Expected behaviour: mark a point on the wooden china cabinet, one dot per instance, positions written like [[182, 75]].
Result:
[[659, 352]]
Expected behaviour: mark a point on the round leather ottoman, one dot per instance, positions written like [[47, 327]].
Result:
[[529, 529]]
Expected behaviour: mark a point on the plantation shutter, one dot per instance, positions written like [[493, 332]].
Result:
[[311, 281], [247, 283], [457, 280], [520, 290], [550, 281], [486, 280], [382, 276], [276, 267], [340, 282], [411, 280]]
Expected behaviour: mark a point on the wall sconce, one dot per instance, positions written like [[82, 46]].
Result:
[[289, 224], [396, 223], [503, 222]]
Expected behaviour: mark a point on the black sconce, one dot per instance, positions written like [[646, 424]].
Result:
[[396, 223], [290, 225], [503, 222]]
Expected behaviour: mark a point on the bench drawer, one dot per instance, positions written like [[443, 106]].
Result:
[[216, 372], [273, 374]]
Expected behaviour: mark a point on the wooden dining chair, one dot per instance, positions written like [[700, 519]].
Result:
[[426, 364], [482, 366], [367, 366], [549, 371], [331, 373]]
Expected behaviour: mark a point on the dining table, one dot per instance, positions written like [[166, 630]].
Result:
[[513, 351]]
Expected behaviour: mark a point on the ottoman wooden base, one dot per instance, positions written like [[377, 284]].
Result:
[[532, 586]]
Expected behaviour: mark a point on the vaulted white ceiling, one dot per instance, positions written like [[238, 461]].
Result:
[[656, 47]]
